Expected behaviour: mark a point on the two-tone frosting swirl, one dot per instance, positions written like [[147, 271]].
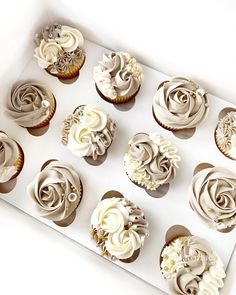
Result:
[[118, 74], [191, 267], [118, 228], [30, 104], [180, 104], [213, 197], [89, 131], [9, 154], [151, 160], [53, 41], [56, 191]]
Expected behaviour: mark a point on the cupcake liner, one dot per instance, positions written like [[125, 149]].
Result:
[[52, 109], [72, 72], [163, 125], [19, 163], [117, 100], [223, 151]]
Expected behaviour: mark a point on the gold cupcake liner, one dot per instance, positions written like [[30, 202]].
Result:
[[117, 100], [163, 125], [19, 163], [52, 110], [72, 72], [223, 151]]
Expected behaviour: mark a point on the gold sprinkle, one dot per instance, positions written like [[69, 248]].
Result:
[[165, 256]]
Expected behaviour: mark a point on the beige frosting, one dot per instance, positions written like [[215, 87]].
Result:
[[30, 103], [226, 134], [88, 132], [118, 227], [151, 161], [56, 191], [180, 104], [192, 267], [118, 75], [9, 153], [213, 197]]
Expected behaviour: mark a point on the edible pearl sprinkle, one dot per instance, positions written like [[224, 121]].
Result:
[[72, 197], [45, 103], [200, 91]]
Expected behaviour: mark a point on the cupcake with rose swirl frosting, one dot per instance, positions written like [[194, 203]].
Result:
[[56, 192], [11, 158], [88, 132], [191, 266], [213, 197], [31, 104], [180, 104], [59, 50], [118, 77], [151, 161], [118, 228]]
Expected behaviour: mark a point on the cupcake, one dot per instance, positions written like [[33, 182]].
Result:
[[59, 50], [88, 132], [180, 104], [31, 105], [225, 135], [190, 266], [213, 197], [11, 161], [118, 77], [56, 192], [151, 161], [118, 228]]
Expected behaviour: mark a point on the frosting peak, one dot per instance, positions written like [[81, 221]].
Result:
[[118, 75], [30, 104], [180, 103]]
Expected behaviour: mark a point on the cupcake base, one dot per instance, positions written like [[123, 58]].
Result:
[[70, 74], [119, 100], [180, 133]]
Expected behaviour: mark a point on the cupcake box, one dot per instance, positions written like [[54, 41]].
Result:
[[161, 213]]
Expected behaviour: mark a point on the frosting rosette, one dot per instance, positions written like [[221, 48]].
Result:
[[59, 49], [10, 158], [180, 104], [31, 104], [56, 191], [151, 160], [88, 132], [213, 197], [119, 228], [117, 76], [190, 266]]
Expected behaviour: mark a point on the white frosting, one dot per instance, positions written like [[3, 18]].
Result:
[[6, 173], [80, 140], [47, 53], [110, 215], [70, 38], [232, 150], [123, 244], [94, 119]]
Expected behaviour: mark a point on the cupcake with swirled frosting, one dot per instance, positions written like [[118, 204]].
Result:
[[59, 50], [56, 191], [213, 197], [225, 135], [151, 161], [118, 228], [88, 132], [11, 158], [180, 104], [190, 266], [31, 104], [118, 77]]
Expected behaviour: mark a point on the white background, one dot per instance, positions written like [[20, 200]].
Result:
[[190, 38]]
